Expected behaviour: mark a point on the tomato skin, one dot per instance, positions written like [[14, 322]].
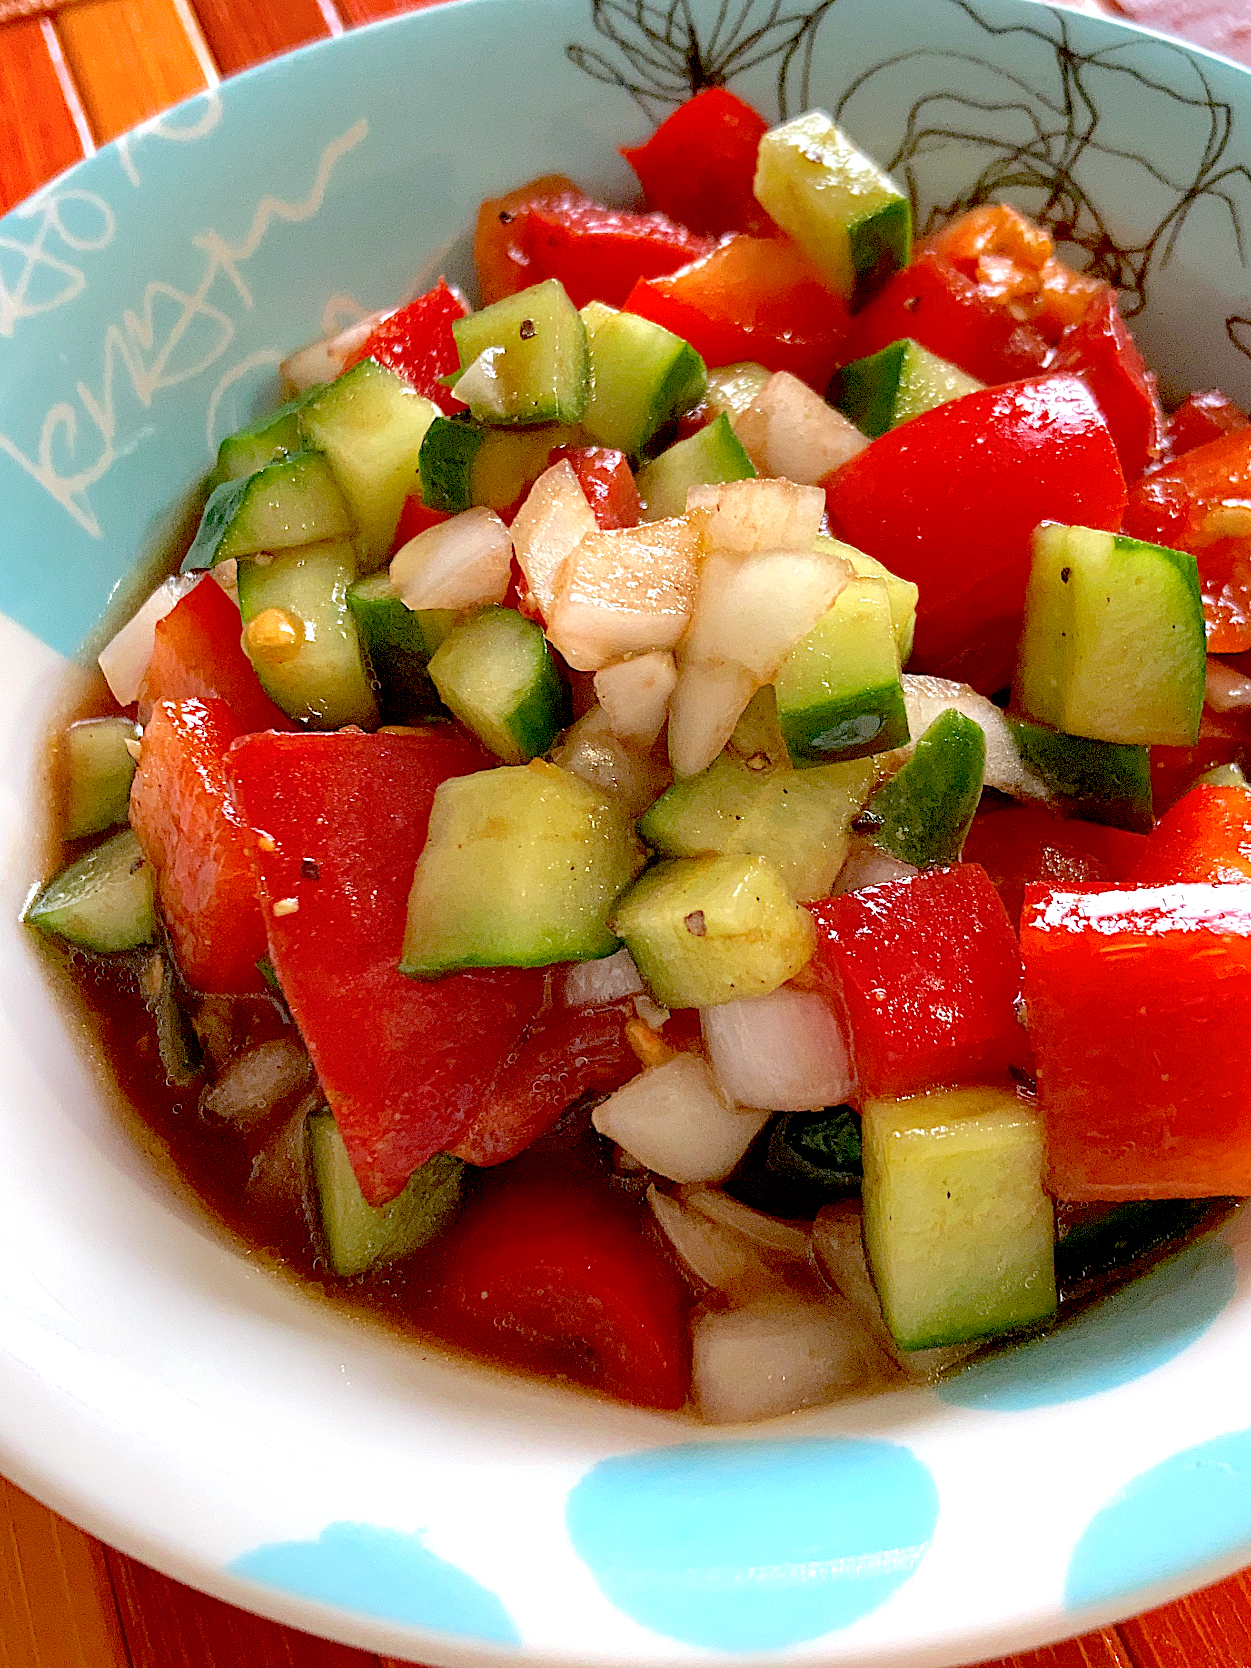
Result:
[[1197, 503], [554, 1275], [699, 165], [927, 973], [340, 820], [752, 298], [600, 253], [1013, 264], [197, 656], [1139, 1005], [567, 1053], [1206, 836], [185, 819], [1202, 416], [417, 343], [944, 310], [1100, 349], [1019, 845], [501, 260], [416, 518], [951, 499], [605, 477]]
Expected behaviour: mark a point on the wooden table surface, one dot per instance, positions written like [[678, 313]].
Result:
[[72, 77]]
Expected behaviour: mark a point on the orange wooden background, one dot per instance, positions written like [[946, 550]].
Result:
[[71, 80]]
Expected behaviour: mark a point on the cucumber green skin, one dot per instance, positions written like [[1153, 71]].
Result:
[[100, 772], [522, 714], [713, 455], [265, 441], [875, 721], [799, 1162], [958, 1229], [896, 384], [1127, 1233], [104, 901], [360, 1236], [642, 377], [446, 464], [839, 694], [924, 811], [292, 502], [881, 245], [396, 650], [1102, 781], [545, 376], [521, 868]]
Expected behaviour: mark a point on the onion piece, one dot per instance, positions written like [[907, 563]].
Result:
[[719, 1256], [706, 704], [673, 1120], [625, 591], [1227, 690], [635, 694], [124, 659], [755, 1225], [255, 1083], [869, 865], [925, 698], [282, 1171], [785, 1051], [481, 387], [590, 750], [838, 1246], [749, 516], [458, 564], [323, 361], [552, 522], [780, 1353], [789, 430], [590, 983]]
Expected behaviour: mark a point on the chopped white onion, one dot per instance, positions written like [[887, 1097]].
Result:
[[480, 385], [625, 591], [838, 1245], [552, 522], [719, 1256], [673, 1120], [323, 361], [630, 775], [1227, 690], [706, 704], [778, 1354], [926, 698], [744, 517], [635, 694], [256, 1082], [785, 1051], [124, 659], [869, 865], [458, 564], [588, 983], [651, 1013], [789, 430], [767, 1231]]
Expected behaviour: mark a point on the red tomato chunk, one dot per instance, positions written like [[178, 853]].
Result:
[[604, 476], [417, 344], [1206, 836], [599, 253], [928, 973], [1018, 844], [700, 163], [197, 656], [1100, 349], [1139, 1006]]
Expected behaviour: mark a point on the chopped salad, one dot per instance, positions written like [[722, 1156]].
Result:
[[684, 828]]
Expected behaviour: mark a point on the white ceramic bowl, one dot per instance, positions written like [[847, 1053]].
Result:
[[164, 1390]]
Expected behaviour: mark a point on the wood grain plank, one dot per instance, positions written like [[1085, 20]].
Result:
[[1093, 1650], [1212, 1628], [244, 32], [56, 1598], [168, 1625], [37, 133], [132, 58], [365, 11]]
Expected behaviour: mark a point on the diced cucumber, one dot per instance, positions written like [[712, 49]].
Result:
[[528, 357], [835, 202], [495, 672], [799, 820], [268, 440], [98, 772], [300, 636], [712, 455], [704, 930], [732, 388], [923, 813], [958, 1228], [397, 645], [292, 502], [1102, 781], [370, 423], [104, 901], [642, 376], [1124, 1234], [360, 1236], [900, 382], [799, 1162], [521, 867], [1113, 645], [838, 691], [757, 740], [464, 464], [903, 594]]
